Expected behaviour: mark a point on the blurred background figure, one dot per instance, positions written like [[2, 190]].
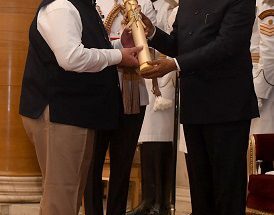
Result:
[[157, 134], [120, 142], [262, 50]]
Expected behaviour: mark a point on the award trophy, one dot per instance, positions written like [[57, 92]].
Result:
[[134, 19]]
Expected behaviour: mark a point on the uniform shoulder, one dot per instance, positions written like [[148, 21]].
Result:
[[144, 2], [59, 4]]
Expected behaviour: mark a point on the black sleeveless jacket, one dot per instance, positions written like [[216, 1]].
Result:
[[91, 100]]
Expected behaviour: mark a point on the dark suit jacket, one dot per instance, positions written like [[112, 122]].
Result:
[[211, 40]]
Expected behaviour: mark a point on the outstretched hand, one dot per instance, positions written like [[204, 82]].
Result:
[[160, 68]]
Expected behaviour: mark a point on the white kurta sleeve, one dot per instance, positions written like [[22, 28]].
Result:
[[60, 25]]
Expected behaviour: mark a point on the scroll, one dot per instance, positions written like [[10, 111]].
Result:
[[134, 19]]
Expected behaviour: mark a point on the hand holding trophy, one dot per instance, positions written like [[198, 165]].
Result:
[[134, 21]]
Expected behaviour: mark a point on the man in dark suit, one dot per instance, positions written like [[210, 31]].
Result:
[[210, 45]]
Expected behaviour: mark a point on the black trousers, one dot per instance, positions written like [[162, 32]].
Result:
[[216, 163], [122, 143]]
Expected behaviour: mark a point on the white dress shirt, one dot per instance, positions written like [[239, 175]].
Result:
[[60, 25]]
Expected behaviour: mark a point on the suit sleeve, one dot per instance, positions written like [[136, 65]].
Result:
[[165, 43], [234, 34]]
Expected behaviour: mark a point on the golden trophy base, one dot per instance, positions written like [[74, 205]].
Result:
[[144, 68]]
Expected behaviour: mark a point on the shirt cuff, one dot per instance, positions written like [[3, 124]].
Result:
[[115, 57], [117, 44], [177, 65], [154, 32]]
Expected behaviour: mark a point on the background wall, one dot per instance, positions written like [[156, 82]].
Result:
[[17, 155]]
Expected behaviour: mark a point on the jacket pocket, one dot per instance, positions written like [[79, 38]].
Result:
[[211, 18]]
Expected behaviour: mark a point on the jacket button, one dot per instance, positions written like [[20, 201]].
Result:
[[190, 33], [196, 12]]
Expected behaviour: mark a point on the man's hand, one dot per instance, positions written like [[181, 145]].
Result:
[[129, 57], [160, 68], [149, 30]]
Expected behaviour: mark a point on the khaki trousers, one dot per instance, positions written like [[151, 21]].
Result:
[[64, 154]]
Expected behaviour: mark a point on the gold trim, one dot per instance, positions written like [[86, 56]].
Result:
[[269, 29], [250, 211], [253, 170], [144, 67], [266, 13], [117, 8], [268, 26], [251, 156], [267, 33], [255, 57]]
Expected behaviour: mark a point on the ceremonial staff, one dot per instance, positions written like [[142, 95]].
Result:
[[175, 141]]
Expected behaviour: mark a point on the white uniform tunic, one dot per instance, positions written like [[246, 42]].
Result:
[[254, 46], [264, 75], [158, 126], [104, 8]]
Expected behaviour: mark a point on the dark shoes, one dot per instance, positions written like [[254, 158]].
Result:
[[148, 211], [156, 171], [155, 211], [140, 210]]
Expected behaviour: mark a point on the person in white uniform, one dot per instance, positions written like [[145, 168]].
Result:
[[255, 43], [121, 142], [156, 137], [262, 49], [264, 74]]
